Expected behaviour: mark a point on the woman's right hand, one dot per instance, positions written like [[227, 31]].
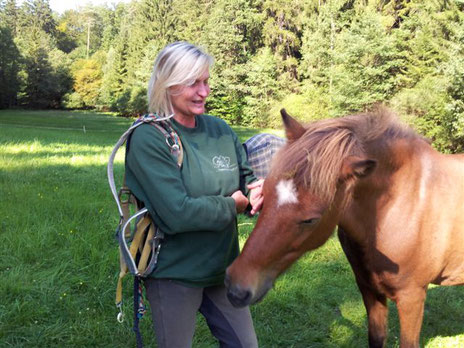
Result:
[[241, 202]]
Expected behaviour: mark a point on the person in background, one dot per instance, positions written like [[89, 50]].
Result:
[[260, 149], [196, 205]]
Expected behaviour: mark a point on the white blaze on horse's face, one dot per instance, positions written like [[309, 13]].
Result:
[[286, 192]]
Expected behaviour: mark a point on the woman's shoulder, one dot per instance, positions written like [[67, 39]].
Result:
[[146, 135], [213, 121], [147, 129]]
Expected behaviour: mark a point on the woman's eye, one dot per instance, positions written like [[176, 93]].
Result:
[[310, 222]]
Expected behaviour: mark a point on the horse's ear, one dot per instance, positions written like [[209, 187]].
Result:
[[356, 167], [293, 129]]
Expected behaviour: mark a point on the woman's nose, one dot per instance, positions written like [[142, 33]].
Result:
[[203, 90]]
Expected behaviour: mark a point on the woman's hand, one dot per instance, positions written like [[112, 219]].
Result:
[[256, 196], [241, 202]]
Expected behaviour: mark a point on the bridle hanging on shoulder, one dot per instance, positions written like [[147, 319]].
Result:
[[138, 247]]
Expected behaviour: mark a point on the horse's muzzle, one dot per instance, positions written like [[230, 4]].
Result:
[[238, 296]]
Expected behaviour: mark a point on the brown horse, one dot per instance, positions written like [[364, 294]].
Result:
[[397, 202]]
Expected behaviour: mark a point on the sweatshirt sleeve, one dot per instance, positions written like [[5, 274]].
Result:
[[157, 174]]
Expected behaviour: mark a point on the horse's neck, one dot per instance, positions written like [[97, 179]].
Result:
[[400, 172]]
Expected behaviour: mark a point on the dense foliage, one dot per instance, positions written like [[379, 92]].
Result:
[[318, 58]]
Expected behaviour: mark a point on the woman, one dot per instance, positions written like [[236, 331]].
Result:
[[195, 206]]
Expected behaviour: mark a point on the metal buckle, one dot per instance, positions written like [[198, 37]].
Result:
[[175, 148], [124, 191]]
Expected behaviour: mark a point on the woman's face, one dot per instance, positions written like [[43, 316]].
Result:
[[189, 101]]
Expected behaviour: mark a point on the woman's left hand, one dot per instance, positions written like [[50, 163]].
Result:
[[256, 196]]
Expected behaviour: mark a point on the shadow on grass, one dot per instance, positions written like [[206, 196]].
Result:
[[317, 304], [305, 307], [444, 314]]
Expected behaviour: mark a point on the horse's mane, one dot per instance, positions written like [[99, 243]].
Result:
[[315, 159]]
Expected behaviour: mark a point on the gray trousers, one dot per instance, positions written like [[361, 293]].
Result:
[[174, 308]]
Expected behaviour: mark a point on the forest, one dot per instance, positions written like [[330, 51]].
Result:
[[316, 58]]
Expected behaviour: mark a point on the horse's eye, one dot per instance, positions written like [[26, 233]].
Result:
[[310, 222]]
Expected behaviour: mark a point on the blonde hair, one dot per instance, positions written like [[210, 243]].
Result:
[[179, 63]]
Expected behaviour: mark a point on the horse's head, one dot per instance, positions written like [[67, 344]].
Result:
[[302, 200]]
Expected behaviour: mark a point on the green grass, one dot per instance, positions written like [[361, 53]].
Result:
[[59, 260]]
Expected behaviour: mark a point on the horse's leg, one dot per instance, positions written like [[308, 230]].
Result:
[[410, 304], [375, 302]]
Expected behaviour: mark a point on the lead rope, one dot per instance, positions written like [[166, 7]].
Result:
[[139, 310]]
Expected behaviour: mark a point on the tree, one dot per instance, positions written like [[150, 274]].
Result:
[[111, 22], [282, 33], [9, 68], [64, 35], [45, 76], [227, 34], [115, 88], [9, 15], [60, 78], [154, 24], [87, 75], [350, 54], [38, 14], [367, 63], [453, 122], [431, 79], [263, 88]]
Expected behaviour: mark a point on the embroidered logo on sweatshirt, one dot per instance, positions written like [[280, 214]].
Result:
[[223, 163]]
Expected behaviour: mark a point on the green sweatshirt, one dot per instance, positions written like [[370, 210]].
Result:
[[191, 205]]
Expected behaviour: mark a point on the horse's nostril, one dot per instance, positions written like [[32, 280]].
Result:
[[238, 297]]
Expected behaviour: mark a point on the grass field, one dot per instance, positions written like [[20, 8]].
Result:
[[59, 260]]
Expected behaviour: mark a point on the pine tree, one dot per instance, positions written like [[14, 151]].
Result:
[[45, 76], [115, 93], [282, 33], [263, 88], [9, 15], [432, 73], [227, 34], [367, 62], [9, 68], [38, 14]]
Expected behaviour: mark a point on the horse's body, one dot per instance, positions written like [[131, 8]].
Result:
[[398, 204]]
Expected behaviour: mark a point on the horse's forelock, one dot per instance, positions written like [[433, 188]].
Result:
[[314, 160]]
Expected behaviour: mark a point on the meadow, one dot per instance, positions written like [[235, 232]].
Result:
[[59, 257]]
